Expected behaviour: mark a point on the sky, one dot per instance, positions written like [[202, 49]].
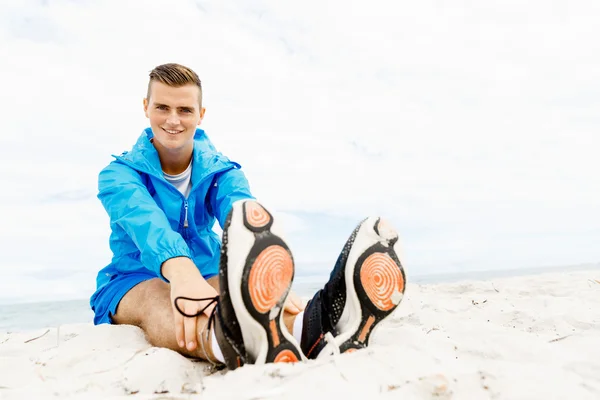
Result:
[[472, 126]]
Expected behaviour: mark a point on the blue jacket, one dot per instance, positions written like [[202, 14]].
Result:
[[151, 221]]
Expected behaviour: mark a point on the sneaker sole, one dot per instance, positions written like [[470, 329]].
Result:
[[260, 271], [375, 283]]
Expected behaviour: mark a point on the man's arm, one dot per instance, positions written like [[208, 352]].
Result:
[[228, 187], [130, 205]]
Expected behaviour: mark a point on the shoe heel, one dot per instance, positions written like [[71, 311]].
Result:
[[382, 281]]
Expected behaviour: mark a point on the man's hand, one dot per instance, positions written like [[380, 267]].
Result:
[[293, 304], [186, 281]]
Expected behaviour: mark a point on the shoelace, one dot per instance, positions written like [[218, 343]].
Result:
[[211, 319], [212, 300], [334, 348], [209, 325], [334, 352]]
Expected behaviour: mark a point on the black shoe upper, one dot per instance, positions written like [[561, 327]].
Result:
[[324, 310]]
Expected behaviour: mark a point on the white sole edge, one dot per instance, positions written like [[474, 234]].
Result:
[[254, 335]]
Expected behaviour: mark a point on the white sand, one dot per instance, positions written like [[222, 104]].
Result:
[[535, 337]]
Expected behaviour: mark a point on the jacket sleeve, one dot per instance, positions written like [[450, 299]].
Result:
[[228, 187], [130, 206]]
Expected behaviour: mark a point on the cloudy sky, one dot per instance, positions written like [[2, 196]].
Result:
[[472, 126]]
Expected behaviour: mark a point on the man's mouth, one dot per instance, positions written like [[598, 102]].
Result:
[[172, 131]]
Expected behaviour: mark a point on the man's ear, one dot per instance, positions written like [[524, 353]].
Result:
[[146, 107], [202, 111]]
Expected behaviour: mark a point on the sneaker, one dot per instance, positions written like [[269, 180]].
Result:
[[256, 273], [365, 287]]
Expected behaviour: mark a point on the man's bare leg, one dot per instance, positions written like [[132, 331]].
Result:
[[148, 306]]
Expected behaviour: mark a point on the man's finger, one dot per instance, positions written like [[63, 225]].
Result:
[[290, 307], [179, 333], [298, 302], [189, 325], [208, 288]]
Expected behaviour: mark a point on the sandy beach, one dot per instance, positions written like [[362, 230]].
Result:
[[532, 337]]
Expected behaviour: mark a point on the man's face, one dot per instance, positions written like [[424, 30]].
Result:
[[174, 114]]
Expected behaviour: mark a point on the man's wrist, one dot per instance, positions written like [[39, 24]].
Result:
[[176, 267]]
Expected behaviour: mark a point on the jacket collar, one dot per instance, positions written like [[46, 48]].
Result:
[[205, 158]]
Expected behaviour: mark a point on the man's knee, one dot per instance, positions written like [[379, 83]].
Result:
[[141, 301]]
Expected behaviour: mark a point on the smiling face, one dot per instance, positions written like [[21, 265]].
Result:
[[174, 114]]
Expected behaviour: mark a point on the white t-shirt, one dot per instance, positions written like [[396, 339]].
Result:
[[182, 181]]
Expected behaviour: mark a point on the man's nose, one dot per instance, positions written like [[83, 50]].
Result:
[[173, 119]]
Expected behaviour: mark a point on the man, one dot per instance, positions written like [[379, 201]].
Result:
[[226, 302]]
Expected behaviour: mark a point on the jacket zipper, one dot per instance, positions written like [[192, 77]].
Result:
[[162, 178], [185, 221]]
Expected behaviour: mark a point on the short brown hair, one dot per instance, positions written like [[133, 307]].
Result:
[[175, 75]]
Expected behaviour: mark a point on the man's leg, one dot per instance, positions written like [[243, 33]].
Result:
[[148, 306]]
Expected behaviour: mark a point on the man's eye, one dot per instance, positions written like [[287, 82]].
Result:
[[161, 107]]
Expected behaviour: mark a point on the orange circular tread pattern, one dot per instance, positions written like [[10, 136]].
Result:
[[381, 278], [286, 356], [256, 215], [270, 277]]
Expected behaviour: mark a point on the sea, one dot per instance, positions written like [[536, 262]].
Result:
[[31, 316]]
